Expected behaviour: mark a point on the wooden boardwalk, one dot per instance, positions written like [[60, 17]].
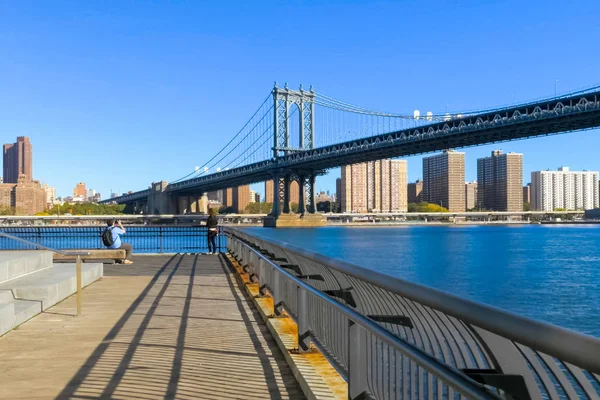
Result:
[[174, 327]]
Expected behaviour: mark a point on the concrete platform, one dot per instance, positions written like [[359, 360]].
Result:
[[14, 264], [26, 296], [165, 327], [295, 221]]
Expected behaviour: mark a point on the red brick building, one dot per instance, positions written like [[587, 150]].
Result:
[[26, 197]]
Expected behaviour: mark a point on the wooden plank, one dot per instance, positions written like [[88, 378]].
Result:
[[163, 327], [95, 254]]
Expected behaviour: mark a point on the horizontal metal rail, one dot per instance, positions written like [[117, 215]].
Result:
[[513, 355], [174, 238], [358, 326], [41, 247]]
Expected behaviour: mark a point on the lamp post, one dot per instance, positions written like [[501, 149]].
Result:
[[440, 207]]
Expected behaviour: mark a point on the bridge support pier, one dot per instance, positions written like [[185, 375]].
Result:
[[160, 201], [281, 216]]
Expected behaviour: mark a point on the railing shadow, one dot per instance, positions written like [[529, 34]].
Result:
[[189, 334]]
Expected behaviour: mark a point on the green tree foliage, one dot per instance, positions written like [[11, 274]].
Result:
[[425, 207], [87, 209], [327, 206], [258, 208], [526, 206], [7, 211]]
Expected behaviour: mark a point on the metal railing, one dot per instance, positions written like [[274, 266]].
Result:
[[28, 245], [144, 238], [394, 339]]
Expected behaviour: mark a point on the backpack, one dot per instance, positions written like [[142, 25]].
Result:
[[107, 237]]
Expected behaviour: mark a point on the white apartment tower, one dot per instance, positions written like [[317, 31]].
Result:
[[571, 190]]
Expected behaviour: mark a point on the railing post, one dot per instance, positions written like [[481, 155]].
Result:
[[303, 325], [276, 292], [357, 361], [78, 273], [160, 239]]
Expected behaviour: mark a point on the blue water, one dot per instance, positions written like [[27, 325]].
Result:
[[547, 272]]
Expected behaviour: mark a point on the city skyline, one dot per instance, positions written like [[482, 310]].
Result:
[[104, 85]]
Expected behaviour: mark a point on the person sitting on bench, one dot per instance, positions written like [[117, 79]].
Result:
[[112, 240]]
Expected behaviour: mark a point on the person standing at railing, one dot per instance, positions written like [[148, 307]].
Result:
[[116, 229], [211, 235]]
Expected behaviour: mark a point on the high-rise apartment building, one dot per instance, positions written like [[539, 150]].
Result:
[[26, 197], [415, 192], [18, 160], [471, 195], [374, 186], [564, 189], [241, 198], [444, 180], [50, 194], [228, 197], [251, 196], [216, 196], [80, 191], [294, 192], [527, 193], [500, 181]]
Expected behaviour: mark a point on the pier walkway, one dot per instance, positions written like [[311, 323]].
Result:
[[164, 327]]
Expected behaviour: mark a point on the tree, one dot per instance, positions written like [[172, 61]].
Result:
[[258, 208], [424, 207], [7, 211], [526, 206], [87, 209]]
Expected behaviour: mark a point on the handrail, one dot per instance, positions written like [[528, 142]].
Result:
[[462, 382], [567, 345], [42, 247]]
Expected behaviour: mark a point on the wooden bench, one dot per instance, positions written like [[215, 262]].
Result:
[[94, 254]]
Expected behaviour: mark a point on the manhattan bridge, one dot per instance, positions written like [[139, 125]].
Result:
[[296, 135]]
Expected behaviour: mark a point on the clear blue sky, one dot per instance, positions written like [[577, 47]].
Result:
[[120, 94]]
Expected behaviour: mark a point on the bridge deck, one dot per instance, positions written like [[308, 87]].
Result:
[[164, 327]]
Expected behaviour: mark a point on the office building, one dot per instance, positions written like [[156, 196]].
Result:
[[338, 188], [81, 192], [374, 186], [50, 194], [18, 161], [564, 189], [26, 197], [444, 180], [500, 181], [527, 193], [256, 197], [415, 192], [294, 192], [471, 195]]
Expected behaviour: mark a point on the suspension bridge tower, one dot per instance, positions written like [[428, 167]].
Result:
[[284, 100]]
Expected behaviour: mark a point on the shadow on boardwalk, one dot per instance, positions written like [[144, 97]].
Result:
[[190, 334]]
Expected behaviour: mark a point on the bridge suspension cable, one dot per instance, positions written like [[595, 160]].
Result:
[[263, 111]]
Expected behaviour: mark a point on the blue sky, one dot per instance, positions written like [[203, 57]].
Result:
[[120, 94]]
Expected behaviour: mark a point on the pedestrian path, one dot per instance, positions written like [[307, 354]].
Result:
[[174, 327]]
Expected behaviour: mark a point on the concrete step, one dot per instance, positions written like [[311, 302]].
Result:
[[7, 317], [6, 296], [14, 264], [54, 284], [25, 310], [33, 293]]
